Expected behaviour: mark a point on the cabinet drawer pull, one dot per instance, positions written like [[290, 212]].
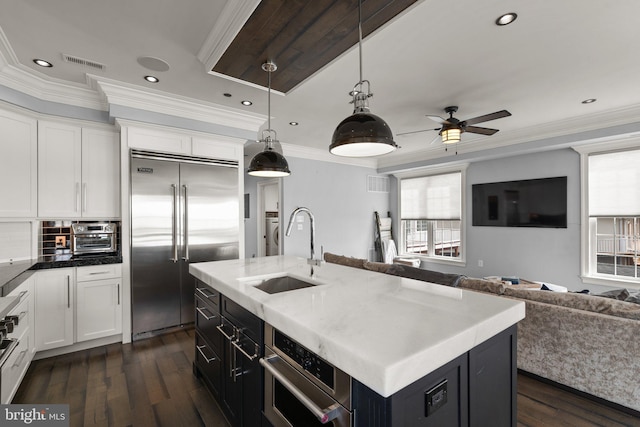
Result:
[[255, 352], [201, 311], [204, 293], [206, 359], [229, 337], [20, 358]]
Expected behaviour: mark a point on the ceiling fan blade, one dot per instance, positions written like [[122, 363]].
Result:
[[415, 131], [481, 131], [487, 117], [438, 119], [437, 137]]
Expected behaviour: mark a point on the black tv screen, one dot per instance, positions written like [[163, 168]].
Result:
[[527, 203]]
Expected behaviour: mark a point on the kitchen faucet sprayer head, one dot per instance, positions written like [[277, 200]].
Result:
[[290, 225]]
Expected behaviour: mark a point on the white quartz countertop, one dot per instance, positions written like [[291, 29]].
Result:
[[383, 330]]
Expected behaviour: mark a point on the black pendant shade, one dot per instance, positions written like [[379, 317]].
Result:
[[269, 163], [362, 135]]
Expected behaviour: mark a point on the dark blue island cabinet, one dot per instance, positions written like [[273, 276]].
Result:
[[229, 343], [477, 389]]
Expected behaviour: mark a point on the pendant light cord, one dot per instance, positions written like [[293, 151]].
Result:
[[269, 101], [360, 35]]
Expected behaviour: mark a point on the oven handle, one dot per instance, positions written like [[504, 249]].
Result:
[[324, 415]]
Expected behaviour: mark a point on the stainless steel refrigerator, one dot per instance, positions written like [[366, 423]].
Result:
[[183, 210]]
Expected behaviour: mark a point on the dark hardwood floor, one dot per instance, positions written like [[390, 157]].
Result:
[[151, 383]]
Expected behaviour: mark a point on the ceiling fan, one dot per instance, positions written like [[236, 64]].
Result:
[[452, 128]]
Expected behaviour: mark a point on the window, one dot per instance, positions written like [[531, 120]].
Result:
[[430, 215], [613, 191]]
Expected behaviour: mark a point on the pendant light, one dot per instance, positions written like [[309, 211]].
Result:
[[269, 163], [362, 134]]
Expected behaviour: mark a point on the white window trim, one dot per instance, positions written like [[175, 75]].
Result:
[[439, 170], [587, 275]]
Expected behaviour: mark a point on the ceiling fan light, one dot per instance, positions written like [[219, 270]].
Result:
[[362, 135], [451, 135], [269, 164]]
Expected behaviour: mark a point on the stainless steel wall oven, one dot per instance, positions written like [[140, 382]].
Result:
[[302, 389]]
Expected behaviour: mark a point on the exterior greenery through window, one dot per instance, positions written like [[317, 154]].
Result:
[[614, 213], [430, 215]]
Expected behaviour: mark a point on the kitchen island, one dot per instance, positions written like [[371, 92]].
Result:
[[386, 332]]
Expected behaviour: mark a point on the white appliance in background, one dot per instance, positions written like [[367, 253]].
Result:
[[183, 210], [272, 234]]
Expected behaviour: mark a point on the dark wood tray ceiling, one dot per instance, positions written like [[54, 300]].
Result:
[[301, 37]]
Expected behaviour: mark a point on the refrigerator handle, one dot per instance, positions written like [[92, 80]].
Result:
[[185, 219], [174, 225]]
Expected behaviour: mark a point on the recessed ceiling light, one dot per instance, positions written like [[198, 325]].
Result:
[[589, 101], [43, 63], [151, 79], [247, 103], [294, 123], [506, 19]]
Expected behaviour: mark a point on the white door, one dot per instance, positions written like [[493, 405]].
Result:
[[99, 310], [54, 306], [59, 170], [100, 174], [18, 165]]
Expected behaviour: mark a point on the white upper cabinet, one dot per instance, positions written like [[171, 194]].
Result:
[[161, 139], [78, 172], [18, 165], [100, 174]]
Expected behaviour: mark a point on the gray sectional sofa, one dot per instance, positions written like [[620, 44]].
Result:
[[588, 343]]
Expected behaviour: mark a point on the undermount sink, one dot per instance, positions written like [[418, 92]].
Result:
[[282, 284]]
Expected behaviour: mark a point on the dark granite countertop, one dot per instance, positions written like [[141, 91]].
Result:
[[12, 274]]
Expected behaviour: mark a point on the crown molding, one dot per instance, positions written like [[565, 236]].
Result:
[[291, 150], [123, 94], [233, 16], [23, 79]]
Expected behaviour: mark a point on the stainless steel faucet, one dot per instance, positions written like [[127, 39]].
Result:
[[311, 261]]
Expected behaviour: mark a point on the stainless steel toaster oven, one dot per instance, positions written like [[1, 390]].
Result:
[[93, 238]]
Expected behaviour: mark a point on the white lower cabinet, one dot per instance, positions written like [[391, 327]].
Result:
[[77, 304], [54, 306], [98, 304], [18, 362]]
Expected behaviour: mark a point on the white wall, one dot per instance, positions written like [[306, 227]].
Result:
[[337, 196], [541, 254]]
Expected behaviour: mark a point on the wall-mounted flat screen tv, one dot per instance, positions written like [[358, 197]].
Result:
[[527, 203]]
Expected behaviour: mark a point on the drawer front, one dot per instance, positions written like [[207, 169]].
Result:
[[207, 320], [14, 369], [211, 296], [243, 319], [22, 312], [209, 364], [98, 272]]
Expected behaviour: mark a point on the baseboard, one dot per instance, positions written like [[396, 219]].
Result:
[[586, 395], [78, 346]]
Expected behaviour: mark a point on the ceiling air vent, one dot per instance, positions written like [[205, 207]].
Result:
[[84, 62], [377, 184]]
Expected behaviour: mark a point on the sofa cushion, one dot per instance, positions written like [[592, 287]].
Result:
[[344, 260], [579, 301], [380, 267], [482, 285], [424, 275]]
